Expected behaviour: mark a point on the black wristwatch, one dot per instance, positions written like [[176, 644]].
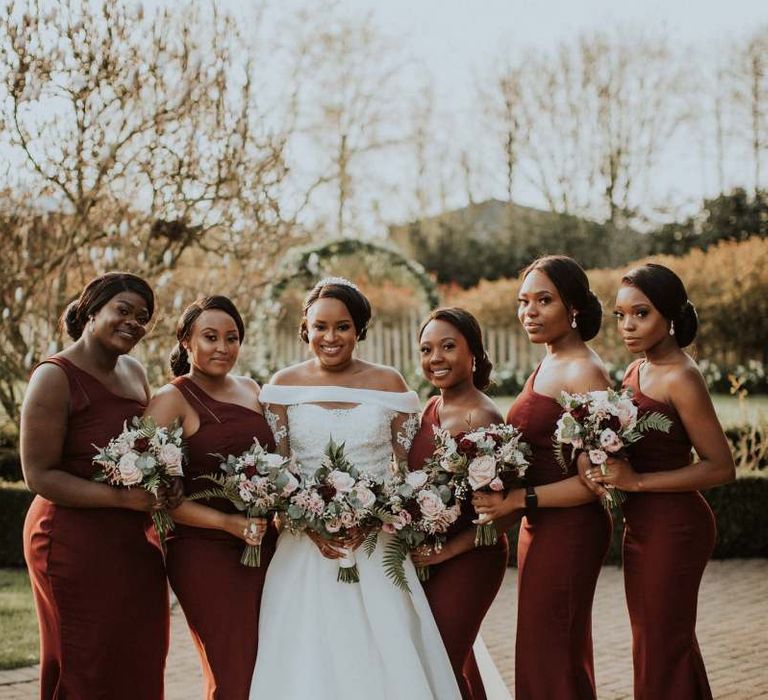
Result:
[[531, 502]]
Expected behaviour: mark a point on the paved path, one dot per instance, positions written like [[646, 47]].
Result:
[[732, 631]]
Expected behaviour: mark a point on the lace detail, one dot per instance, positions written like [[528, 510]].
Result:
[[365, 430], [409, 428], [278, 424]]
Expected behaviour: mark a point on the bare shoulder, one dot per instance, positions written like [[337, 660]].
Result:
[[383, 378], [586, 374], [486, 413], [48, 384], [248, 385], [685, 381], [133, 367], [295, 375]]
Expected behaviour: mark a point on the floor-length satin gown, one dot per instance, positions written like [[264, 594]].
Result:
[[460, 590], [559, 556], [326, 640], [668, 540], [220, 597], [97, 573]]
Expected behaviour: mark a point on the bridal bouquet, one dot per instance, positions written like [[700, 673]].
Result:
[[256, 482], [603, 423], [337, 500], [144, 455], [492, 458], [418, 513]]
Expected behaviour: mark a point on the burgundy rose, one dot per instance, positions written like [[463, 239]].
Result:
[[580, 413], [141, 444], [327, 492]]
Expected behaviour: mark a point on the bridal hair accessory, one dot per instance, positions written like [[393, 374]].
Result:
[[338, 281]]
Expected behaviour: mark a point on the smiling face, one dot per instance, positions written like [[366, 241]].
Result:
[[641, 324], [446, 360], [331, 332], [121, 322], [213, 343], [541, 310]]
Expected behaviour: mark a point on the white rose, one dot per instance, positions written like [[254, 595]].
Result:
[[597, 456], [609, 441], [121, 447], [333, 525], [273, 460], [430, 503], [627, 412], [347, 519], [129, 472], [417, 479], [291, 486], [365, 496], [341, 481], [481, 471], [170, 455]]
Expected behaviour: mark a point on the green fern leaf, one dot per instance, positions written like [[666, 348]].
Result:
[[369, 543], [394, 558]]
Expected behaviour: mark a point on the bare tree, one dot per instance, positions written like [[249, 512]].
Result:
[[135, 140]]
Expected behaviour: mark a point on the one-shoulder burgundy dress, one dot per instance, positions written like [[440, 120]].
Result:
[[220, 596], [559, 555], [460, 590], [668, 540], [97, 576]]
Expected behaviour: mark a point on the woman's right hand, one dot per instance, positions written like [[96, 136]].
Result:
[[250, 530], [139, 499], [328, 548]]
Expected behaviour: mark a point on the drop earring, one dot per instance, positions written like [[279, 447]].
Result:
[[573, 321], [474, 365], [672, 328]]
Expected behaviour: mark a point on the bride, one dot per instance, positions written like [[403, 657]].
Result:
[[318, 638]]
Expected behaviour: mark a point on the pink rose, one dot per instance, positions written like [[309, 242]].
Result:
[[430, 503], [417, 479], [497, 484], [347, 519], [365, 496], [597, 456], [130, 474], [481, 471], [333, 525], [389, 527], [341, 481], [610, 441], [291, 486], [170, 456]]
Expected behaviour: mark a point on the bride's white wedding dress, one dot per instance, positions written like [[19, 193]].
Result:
[[324, 640]]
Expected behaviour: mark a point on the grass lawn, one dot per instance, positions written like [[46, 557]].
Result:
[[728, 408], [18, 624]]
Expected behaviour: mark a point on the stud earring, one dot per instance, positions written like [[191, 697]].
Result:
[[672, 328], [573, 321]]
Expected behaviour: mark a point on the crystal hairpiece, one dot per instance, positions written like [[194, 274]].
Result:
[[338, 281]]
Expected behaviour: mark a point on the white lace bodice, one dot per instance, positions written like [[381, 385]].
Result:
[[364, 429], [375, 426]]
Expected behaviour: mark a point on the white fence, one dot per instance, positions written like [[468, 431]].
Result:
[[396, 344]]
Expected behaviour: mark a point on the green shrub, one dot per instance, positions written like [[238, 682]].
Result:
[[14, 502], [740, 512]]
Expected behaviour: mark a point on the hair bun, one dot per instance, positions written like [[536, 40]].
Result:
[[72, 320], [590, 318], [686, 324]]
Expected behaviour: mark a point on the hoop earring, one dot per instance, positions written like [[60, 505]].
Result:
[[672, 328]]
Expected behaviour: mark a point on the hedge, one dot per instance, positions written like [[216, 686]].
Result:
[[742, 521]]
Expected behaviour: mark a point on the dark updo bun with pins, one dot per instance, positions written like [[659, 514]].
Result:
[[97, 293], [467, 325], [667, 293], [573, 286], [178, 360], [348, 294]]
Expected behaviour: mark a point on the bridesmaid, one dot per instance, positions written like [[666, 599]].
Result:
[[565, 533], [670, 530], [463, 580], [219, 413], [98, 580]]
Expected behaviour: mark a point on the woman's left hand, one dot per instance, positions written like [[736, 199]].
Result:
[[618, 473], [427, 556], [174, 494], [494, 505]]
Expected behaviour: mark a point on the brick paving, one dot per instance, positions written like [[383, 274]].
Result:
[[732, 632]]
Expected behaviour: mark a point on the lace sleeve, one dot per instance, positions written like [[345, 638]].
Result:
[[404, 428], [277, 417]]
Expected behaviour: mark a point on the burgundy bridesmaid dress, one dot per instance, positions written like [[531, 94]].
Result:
[[559, 555], [97, 578], [220, 596], [460, 590], [668, 539]]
